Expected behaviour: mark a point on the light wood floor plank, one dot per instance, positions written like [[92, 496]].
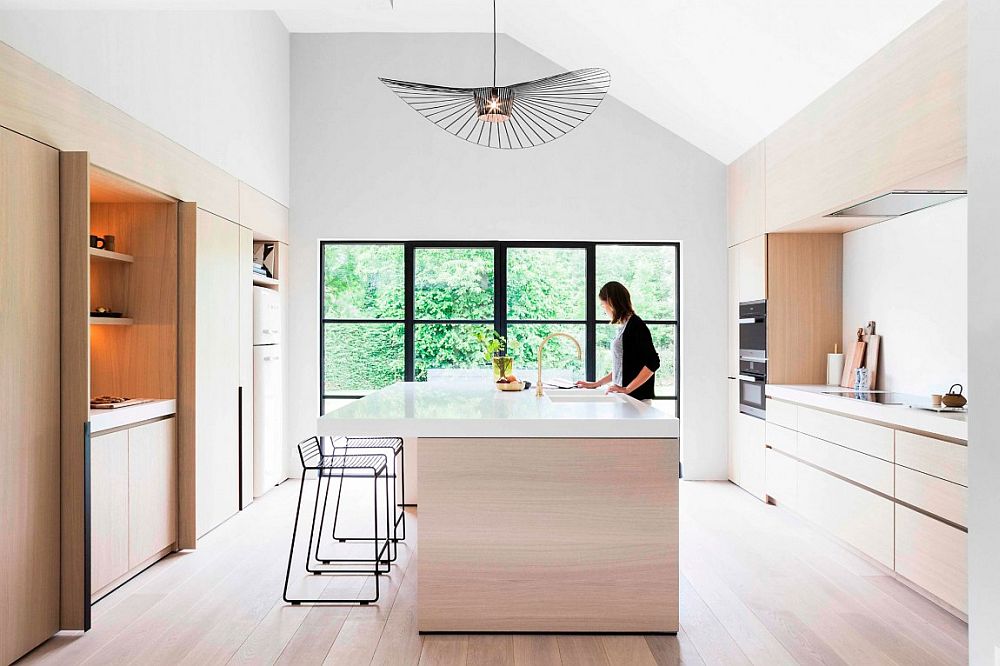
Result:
[[582, 651], [759, 585], [536, 650], [489, 650], [444, 650]]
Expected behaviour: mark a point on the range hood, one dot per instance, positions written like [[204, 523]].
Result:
[[899, 202]]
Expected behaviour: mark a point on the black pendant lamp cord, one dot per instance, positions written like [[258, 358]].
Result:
[[494, 43]]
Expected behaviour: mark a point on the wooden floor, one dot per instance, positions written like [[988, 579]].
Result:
[[757, 586]]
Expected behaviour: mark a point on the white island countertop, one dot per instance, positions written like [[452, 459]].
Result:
[[944, 424], [472, 409]]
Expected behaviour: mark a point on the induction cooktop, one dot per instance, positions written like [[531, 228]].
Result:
[[891, 398]]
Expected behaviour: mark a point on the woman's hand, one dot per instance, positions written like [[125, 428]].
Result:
[[615, 388], [587, 385]]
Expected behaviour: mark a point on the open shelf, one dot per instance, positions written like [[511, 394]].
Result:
[[107, 255], [112, 321], [264, 281]]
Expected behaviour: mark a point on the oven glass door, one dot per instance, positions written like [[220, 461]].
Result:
[[752, 399], [753, 339]]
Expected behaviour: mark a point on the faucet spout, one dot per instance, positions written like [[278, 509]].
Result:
[[579, 355]]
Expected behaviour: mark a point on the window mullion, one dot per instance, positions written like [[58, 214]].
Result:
[[500, 290], [408, 278], [591, 341]]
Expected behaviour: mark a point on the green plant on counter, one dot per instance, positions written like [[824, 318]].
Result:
[[493, 343]]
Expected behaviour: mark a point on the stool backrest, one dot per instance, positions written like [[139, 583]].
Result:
[[310, 452]]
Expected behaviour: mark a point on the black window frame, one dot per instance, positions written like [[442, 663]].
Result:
[[500, 320]]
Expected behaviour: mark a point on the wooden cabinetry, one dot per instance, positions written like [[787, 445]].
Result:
[[781, 478], [932, 555], [745, 196], [133, 501], [749, 444], [751, 269], [733, 315], [897, 117], [109, 520], [29, 387], [245, 378]]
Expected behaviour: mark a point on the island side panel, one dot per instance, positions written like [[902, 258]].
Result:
[[548, 535]]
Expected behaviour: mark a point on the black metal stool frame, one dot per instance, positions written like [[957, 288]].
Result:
[[399, 519], [313, 459]]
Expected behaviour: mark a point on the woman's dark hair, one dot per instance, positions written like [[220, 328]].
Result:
[[617, 296]]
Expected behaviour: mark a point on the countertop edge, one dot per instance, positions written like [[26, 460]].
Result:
[[102, 420], [908, 418], [502, 428]]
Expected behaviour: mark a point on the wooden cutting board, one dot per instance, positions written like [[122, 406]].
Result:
[[852, 361], [873, 343]]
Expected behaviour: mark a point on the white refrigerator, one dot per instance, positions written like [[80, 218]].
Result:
[[268, 459]]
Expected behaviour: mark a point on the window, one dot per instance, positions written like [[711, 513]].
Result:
[[397, 311]]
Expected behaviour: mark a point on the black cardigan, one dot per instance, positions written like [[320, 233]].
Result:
[[638, 352]]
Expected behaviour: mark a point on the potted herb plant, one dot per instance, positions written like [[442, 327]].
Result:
[[495, 350]]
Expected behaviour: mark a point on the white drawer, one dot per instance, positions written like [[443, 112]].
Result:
[[781, 478], [859, 517], [780, 412], [781, 438], [875, 440], [874, 473], [942, 498], [936, 457], [932, 555]]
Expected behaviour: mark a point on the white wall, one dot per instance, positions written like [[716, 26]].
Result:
[[214, 82], [909, 276], [365, 166], [984, 332]]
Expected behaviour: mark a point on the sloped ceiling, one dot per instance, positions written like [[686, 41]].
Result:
[[722, 74]]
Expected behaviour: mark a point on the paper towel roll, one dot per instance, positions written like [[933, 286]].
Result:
[[834, 369]]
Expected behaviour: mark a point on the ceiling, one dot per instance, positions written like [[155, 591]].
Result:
[[722, 74]]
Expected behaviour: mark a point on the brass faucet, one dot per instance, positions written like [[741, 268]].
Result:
[[579, 355]]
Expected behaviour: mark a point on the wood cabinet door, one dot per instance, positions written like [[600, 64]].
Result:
[[732, 411], [745, 195], [152, 490], [750, 440], [217, 358], [246, 365], [733, 315], [109, 509], [29, 392], [752, 262]]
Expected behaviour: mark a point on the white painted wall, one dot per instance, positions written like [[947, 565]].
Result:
[[214, 82], [909, 276], [984, 332], [365, 166]]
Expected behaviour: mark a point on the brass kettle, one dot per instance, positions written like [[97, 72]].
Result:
[[954, 398]]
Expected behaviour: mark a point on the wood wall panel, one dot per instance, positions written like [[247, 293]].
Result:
[[74, 210], [569, 535], [187, 389], [804, 305], [266, 217], [899, 115], [29, 393], [245, 286], [39, 103]]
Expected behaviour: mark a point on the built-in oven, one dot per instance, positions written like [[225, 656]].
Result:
[[753, 357]]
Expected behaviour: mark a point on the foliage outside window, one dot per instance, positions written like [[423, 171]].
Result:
[[395, 311]]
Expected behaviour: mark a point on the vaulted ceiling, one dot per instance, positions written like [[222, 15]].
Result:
[[722, 74]]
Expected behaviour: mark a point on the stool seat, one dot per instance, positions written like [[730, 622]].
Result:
[[375, 462], [395, 443]]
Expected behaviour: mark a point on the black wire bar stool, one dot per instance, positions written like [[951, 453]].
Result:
[[331, 465], [387, 446]]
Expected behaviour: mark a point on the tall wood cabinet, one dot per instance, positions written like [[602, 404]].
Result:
[[29, 390]]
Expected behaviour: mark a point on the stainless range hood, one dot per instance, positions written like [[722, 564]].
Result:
[[899, 202]]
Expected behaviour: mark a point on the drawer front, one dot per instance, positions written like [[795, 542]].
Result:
[[781, 413], [781, 478], [874, 473], [932, 555], [936, 457], [875, 440], [781, 438], [942, 498], [859, 517]]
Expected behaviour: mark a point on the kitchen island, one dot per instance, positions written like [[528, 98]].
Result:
[[537, 514]]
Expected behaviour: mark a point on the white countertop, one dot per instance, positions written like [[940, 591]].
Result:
[[107, 419], [476, 409], [943, 424]]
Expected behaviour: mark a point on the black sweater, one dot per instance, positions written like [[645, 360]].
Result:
[[638, 352]]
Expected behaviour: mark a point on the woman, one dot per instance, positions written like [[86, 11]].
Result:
[[633, 358]]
